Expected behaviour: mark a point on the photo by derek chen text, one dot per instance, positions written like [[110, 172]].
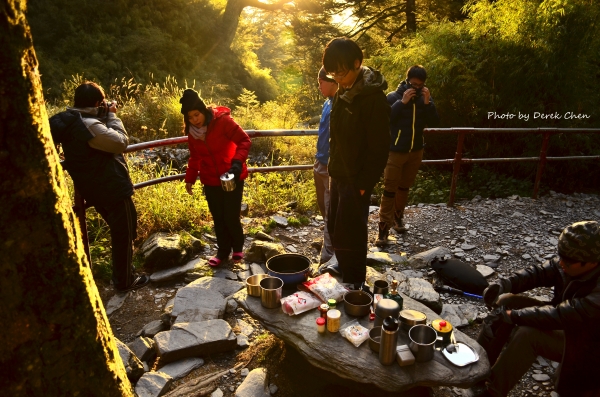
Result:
[[537, 115]]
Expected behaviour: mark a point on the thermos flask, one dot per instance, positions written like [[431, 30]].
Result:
[[389, 339]]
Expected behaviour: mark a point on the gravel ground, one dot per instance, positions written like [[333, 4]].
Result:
[[516, 231]]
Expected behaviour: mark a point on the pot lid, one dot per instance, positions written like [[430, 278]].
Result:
[[441, 325], [387, 307], [413, 315]]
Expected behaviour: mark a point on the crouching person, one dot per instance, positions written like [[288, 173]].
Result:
[[93, 140], [564, 330]]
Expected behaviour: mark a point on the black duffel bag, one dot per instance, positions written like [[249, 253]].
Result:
[[457, 274]]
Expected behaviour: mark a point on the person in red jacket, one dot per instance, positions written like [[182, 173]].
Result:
[[217, 145]]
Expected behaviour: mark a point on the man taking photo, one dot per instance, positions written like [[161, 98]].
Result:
[[93, 140]]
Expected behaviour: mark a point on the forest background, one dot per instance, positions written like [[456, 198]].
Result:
[[262, 59]]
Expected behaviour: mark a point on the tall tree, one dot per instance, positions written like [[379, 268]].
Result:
[[56, 339]]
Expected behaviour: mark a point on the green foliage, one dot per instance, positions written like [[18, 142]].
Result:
[[137, 39], [268, 225], [511, 57]]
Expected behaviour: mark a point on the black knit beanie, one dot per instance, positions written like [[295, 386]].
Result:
[[191, 101]]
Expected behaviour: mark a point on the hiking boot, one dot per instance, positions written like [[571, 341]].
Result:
[[384, 232], [139, 282], [399, 225]]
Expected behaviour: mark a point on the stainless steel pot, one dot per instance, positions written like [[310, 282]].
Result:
[[253, 284], [422, 342], [270, 292], [357, 303], [228, 182]]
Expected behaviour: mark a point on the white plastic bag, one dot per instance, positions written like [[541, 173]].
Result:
[[326, 287], [354, 332], [299, 302]]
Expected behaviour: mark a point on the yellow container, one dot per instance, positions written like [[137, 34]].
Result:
[[443, 328]]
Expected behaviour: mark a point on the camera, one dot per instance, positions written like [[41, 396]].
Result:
[[104, 106]]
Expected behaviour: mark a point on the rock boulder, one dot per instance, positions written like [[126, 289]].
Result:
[[331, 352], [161, 251], [194, 339]]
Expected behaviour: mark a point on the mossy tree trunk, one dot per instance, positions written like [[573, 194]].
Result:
[[55, 338]]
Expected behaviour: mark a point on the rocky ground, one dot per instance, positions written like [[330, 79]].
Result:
[[507, 234]]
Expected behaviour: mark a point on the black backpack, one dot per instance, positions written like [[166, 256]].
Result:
[[458, 274]]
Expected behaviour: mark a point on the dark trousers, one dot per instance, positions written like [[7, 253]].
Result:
[[121, 217], [347, 225], [225, 208]]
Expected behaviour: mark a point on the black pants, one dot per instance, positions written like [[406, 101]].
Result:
[[122, 222], [347, 225], [225, 208]]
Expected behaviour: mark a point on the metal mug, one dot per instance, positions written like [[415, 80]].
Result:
[[381, 287], [422, 342], [252, 284], [228, 182], [270, 292]]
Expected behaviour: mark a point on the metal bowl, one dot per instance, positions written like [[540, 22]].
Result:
[[357, 303], [375, 339], [253, 284]]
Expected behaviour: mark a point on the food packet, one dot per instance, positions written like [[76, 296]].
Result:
[[354, 332], [299, 302], [326, 287]]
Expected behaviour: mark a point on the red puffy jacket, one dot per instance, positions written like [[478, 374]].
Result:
[[225, 141]]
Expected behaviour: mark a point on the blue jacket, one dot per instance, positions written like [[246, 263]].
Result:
[[323, 140], [408, 121]]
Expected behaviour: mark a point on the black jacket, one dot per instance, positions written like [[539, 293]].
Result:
[[407, 121], [360, 131], [575, 309], [101, 177]]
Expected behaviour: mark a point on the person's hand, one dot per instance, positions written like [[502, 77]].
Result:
[[426, 95], [112, 106], [408, 95], [492, 292], [236, 169], [188, 188]]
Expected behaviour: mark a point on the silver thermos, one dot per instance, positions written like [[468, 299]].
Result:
[[389, 340]]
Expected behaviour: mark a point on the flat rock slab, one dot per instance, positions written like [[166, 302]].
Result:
[[195, 303], [181, 368], [116, 302], [486, 271], [152, 328], [153, 384], [224, 287], [133, 366], [143, 348], [459, 315], [194, 339], [331, 352], [383, 259], [422, 291], [194, 266], [423, 259], [255, 385]]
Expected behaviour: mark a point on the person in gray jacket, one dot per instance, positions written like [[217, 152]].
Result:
[[93, 140]]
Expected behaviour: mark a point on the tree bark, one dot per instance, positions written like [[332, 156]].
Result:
[[233, 12], [411, 19], [56, 339]]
